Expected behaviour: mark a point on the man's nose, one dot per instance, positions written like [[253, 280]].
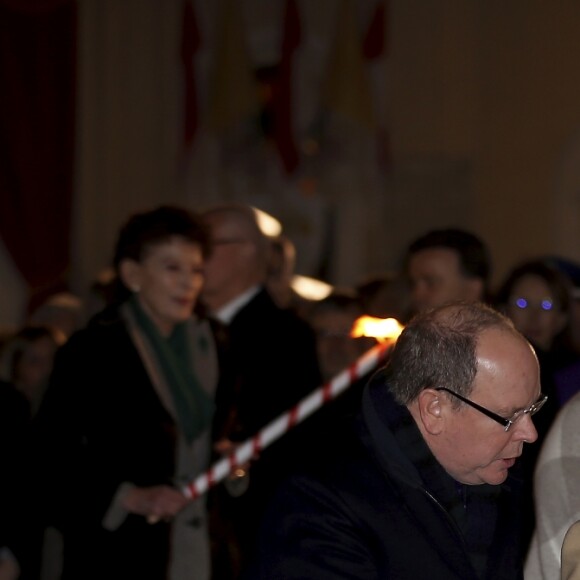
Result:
[[527, 429]]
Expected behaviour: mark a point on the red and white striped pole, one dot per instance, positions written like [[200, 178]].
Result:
[[283, 423]]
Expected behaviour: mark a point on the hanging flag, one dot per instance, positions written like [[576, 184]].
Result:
[[190, 43], [374, 41], [233, 91], [282, 93], [347, 90], [374, 47]]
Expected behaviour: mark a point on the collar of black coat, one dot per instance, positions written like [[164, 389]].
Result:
[[401, 447], [399, 443]]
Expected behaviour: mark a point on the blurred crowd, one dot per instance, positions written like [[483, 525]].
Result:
[[192, 342]]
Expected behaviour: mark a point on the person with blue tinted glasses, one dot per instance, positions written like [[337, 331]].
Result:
[[536, 295]]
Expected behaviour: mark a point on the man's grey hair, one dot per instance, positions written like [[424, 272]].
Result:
[[438, 348]]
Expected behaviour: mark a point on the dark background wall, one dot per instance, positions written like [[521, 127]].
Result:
[[480, 102]]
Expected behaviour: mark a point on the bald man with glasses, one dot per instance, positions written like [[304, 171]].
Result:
[[422, 487], [268, 362]]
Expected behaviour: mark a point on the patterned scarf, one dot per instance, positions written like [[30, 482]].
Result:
[[193, 405]]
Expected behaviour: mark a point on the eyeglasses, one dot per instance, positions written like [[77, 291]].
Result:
[[546, 304], [507, 423]]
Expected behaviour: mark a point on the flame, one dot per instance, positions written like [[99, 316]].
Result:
[[383, 329]]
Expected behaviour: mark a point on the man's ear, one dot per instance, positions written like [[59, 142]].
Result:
[[429, 403], [130, 273]]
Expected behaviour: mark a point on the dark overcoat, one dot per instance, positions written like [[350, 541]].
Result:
[[102, 424], [268, 364], [366, 513]]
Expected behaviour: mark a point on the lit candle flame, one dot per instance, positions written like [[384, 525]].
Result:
[[383, 329]]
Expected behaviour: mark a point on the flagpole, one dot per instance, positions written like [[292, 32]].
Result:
[[286, 421]]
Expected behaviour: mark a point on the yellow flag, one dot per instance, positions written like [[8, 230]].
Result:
[[347, 89], [233, 93]]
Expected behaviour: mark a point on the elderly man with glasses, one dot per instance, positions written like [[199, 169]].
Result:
[[421, 487]]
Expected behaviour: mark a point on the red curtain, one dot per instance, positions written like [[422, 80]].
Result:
[[375, 44], [282, 93], [190, 43], [37, 111]]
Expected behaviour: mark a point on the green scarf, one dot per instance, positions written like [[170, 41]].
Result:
[[193, 405]]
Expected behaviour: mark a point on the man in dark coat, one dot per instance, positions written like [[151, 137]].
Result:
[[268, 363], [422, 487]]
